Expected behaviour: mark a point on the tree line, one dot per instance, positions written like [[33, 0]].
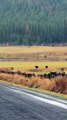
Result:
[[33, 22]]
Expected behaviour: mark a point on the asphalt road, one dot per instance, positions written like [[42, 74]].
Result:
[[20, 104]]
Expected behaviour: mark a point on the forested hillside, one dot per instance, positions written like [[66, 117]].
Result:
[[31, 22]]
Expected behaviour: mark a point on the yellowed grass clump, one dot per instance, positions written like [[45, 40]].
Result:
[[58, 84]]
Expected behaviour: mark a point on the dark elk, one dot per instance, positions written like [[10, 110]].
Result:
[[5, 70], [52, 75], [11, 68], [46, 66], [49, 75], [36, 67]]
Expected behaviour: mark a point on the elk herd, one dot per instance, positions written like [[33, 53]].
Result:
[[50, 75]]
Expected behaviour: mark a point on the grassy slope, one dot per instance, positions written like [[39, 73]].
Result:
[[62, 96]]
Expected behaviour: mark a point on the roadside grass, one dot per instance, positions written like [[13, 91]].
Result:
[[58, 84], [38, 90]]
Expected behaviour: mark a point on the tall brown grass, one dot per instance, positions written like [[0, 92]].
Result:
[[58, 84]]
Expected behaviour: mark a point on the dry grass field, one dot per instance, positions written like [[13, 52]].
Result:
[[33, 49], [30, 66], [26, 58], [33, 53]]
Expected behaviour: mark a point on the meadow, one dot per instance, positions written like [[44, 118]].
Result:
[[30, 66], [33, 53], [26, 58]]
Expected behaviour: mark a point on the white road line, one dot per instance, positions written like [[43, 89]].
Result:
[[52, 102]]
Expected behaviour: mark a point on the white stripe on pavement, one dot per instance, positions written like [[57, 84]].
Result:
[[52, 102]]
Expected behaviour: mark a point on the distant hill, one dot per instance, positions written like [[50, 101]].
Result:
[[31, 22]]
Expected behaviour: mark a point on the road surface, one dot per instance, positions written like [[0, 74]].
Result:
[[20, 104]]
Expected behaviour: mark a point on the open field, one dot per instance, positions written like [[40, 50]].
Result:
[[25, 59], [33, 53], [30, 66], [57, 84], [33, 49]]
